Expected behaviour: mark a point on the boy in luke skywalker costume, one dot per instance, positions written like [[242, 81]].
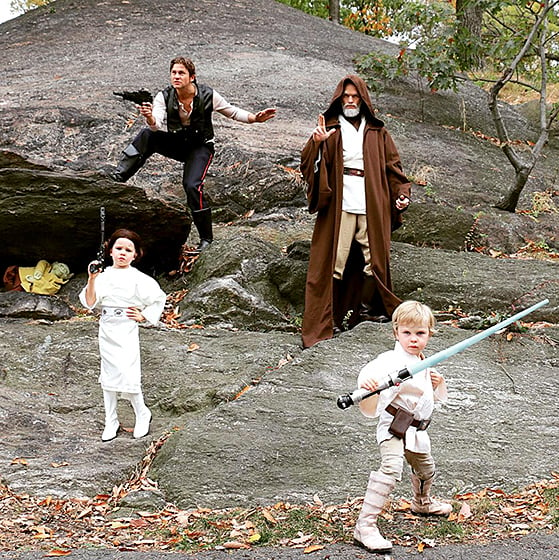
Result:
[[404, 412]]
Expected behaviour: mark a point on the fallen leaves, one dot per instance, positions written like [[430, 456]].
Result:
[[492, 139], [257, 380], [464, 513], [313, 548], [58, 526], [533, 250]]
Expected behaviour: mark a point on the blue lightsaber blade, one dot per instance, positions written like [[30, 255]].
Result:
[[345, 401]]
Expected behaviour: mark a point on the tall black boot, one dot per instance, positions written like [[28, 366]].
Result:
[[203, 222], [129, 164], [371, 306]]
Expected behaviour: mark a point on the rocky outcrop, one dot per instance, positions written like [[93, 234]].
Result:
[[55, 216], [256, 415], [252, 419]]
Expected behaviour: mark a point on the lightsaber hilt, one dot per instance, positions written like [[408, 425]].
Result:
[[392, 380]]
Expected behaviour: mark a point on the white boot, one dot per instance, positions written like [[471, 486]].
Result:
[[143, 415], [423, 503], [111, 419], [366, 532]]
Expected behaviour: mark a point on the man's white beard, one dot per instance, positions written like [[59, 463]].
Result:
[[351, 112]]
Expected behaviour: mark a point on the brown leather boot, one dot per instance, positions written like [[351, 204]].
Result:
[[422, 503]]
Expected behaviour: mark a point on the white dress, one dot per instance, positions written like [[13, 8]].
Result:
[[116, 289]]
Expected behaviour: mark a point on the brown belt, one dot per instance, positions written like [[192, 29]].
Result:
[[418, 424], [355, 172]]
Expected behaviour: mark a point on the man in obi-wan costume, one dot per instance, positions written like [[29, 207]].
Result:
[[404, 412], [358, 191]]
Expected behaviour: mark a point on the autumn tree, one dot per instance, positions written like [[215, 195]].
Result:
[[512, 41], [534, 60]]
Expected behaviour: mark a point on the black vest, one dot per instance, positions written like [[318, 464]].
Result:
[[200, 127]]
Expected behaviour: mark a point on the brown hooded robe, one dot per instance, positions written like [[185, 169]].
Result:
[[322, 168]]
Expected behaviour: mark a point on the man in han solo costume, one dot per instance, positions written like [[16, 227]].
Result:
[[180, 127], [358, 190]]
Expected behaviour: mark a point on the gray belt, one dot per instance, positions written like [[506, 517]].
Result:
[[113, 311]]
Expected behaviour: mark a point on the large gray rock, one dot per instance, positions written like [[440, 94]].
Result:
[[232, 285], [242, 282], [286, 59], [285, 439], [473, 283], [55, 216], [35, 306], [252, 419], [223, 302], [51, 406]]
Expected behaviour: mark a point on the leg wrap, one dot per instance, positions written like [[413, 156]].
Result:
[[366, 532]]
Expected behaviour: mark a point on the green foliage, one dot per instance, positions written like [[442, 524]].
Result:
[[444, 529], [507, 24], [216, 529], [427, 39], [434, 43], [551, 497], [379, 68], [314, 7]]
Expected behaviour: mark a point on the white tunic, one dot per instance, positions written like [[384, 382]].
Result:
[[415, 395], [353, 200], [116, 289]]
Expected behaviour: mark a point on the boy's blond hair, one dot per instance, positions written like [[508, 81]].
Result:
[[414, 314]]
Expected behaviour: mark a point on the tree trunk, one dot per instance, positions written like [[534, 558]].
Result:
[[510, 200], [470, 17], [334, 8]]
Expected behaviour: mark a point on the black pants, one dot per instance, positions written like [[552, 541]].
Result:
[[196, 157]]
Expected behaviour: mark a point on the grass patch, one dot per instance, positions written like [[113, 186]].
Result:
[[444, 529], [551, 497]]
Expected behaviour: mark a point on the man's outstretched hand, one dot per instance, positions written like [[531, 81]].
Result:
[[320, 133], [265, 115]]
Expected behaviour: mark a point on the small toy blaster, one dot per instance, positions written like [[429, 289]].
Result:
[[138, 97], [98, 264]]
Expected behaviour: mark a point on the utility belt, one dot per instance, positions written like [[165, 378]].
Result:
[[113, 312], [354, 172], [189, 133], [403, 420]]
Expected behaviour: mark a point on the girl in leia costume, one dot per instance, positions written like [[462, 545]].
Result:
[[126, 297]]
